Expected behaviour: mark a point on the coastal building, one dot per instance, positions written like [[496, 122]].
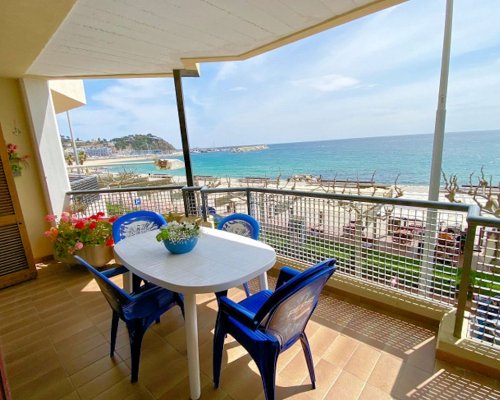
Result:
[[97, 151], [54, 330]]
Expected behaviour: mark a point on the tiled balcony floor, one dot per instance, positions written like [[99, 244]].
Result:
[[54, 333]]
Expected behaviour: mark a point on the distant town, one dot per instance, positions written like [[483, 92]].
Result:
[[139, 145]]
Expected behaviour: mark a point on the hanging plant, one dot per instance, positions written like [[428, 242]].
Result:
[[17, 162]]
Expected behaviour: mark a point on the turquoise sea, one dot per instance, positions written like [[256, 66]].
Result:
[[408, 156]]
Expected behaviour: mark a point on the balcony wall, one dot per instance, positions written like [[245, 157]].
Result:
[[16, 129]]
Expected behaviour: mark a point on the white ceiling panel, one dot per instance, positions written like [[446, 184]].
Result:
[[154, 37]]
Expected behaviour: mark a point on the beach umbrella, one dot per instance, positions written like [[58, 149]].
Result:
[[169, 163]]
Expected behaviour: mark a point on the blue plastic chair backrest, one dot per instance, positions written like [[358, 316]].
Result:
[[287, 311], [240, 224], [116, 296], [136, 222]]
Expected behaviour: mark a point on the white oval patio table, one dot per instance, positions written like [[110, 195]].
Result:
[[220, 261]]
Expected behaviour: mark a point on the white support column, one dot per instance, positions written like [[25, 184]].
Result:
[[437, 148], [427, 266], [50, 154]]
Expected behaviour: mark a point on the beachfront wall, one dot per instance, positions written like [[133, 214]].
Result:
[[441, 255]]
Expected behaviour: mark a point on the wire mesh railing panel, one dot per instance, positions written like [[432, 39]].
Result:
[[193, 201], [484, 318], [410, 249], [220, 204], [118, 202]]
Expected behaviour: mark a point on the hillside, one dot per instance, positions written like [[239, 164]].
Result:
[[142, 142]]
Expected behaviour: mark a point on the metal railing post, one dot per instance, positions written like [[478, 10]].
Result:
[[249, 203], [465, 279], [204, 205]]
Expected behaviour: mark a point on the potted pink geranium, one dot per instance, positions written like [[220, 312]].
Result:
[[90, 238]]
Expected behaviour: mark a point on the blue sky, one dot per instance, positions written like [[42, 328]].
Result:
[[376, 76]]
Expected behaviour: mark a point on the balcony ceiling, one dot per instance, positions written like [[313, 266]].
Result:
[[96, 38]]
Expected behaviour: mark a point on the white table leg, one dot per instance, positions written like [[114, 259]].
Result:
[[263, 281], [127, 282], [191, 325]]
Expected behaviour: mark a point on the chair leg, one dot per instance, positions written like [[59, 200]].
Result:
[[309, 360], [136, 332], [136, 282], [180, 302], [267, 368], [247, 289], [219, 337], [114, 329]]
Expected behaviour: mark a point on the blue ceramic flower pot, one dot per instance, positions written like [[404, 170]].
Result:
[[181, 247]]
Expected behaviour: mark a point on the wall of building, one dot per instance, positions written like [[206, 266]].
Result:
[[16, 130]]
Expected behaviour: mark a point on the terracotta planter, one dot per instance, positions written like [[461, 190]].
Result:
[[97, 256]]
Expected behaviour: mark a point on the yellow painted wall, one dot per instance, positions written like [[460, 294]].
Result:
[[28, 185]]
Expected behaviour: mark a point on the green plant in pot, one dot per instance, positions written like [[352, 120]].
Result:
[[179, 237]]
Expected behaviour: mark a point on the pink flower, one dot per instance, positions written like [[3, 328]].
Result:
[[11, 148], [394, 281], [78, 245], [50, 218], [65, 217], [48, 234]]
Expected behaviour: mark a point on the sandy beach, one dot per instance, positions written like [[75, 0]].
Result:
[[117, 160]]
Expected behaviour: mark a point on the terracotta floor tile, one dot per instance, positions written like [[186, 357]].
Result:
[[55, 333], [363, 361], [51, 385], [386, 372], [92, 371], [326, 375], [125, 390], [373, 393], [103, 382], [75, 364], [346, 387], [34, 365], [340, 351]]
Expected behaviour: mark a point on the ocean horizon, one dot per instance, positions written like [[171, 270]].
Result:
[[407, 158]]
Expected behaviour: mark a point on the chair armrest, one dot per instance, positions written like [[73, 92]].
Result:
[[286, 273], [109, 273], [138, 296], [238, 312]]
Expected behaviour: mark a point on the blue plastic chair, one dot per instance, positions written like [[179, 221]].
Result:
[[243, 225], [137, 309], [268, 323], [135, 223]]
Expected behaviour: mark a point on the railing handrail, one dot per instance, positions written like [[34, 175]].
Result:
[[349, 197]]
